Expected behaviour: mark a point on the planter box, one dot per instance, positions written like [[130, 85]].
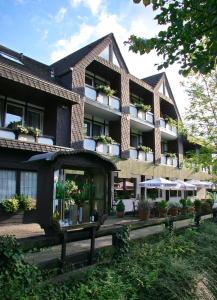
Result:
[[144, 214], [150, 156], [169, 161], [102, 148], [102, 98], [20, 217], [26, 138], [141, 115], [6, 134], [141, 155]]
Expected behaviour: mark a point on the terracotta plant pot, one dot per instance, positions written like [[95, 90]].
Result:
[[163, 213], [144, 214], [184, 210], [173, 211], [120, 214], [190, 210]]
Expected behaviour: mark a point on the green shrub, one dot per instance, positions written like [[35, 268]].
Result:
[[25, 203], [120, 206], [183, 202], [10, 206], [163, 204]]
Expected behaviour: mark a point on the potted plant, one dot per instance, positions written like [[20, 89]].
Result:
[[190, 206], [25, 133], [162, 205], [120, 208], [145, 153], [206, 207], [142, 110], [171, 157], [184, 208], [144, 209], [171, 123], [173, 209], [197, 205], [104, 92], [103, 143], [71, 208]]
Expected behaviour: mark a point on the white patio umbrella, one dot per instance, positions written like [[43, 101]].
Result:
[[200, 184], [183, 186], [158, 183]]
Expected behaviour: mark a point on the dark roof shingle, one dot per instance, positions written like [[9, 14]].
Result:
[[154, 79], [73, 58]]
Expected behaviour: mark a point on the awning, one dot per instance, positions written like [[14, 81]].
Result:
[[158, 183]]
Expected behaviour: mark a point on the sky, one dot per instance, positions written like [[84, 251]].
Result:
[[48, 30]]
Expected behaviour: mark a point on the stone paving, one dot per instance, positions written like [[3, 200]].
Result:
[[75, 247]]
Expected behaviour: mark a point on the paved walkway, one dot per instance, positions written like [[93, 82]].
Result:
[[75, 247]]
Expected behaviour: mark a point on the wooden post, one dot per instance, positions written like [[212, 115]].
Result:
[[63, 250], [92, 244]]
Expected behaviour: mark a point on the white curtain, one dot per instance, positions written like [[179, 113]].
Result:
[[7, 184], [28, 184]]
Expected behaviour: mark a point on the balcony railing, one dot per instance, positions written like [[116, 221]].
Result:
[[9, 134], [110, 101], [165, 160], [111, 149], [167, 126], [141, 115], [141, 155]]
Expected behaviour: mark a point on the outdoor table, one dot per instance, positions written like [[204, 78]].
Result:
[[91, 227]]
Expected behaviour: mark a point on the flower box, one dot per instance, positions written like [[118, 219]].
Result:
[[26, 138], [102, 98], [150, 156], [141, 115], [141, 155], [102, 148]]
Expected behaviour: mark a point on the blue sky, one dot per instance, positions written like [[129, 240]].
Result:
[[48, 30]]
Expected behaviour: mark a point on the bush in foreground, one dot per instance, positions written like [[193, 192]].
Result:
[[175, 267]]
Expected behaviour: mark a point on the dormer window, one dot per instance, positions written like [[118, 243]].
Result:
[[10, 57]]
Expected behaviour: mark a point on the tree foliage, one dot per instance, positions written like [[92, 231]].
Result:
[[201, 117], [190, 37]]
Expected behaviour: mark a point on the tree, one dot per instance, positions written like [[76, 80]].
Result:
[[190, 37], [201, 117]]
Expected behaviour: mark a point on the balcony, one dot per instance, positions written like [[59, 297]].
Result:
[[141, 120], [6, 133], [111, 149], [169, 161], [168, 132], [141, 155], [111, 102]]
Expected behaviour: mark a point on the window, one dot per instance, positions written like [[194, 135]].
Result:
[[124, 188], [115, 61], [34, 119], [14, 114], [87, 128], [8, 56], [7, 184], [89, 80], [135, 140], [28, 184], [98, 129], [105, 53]]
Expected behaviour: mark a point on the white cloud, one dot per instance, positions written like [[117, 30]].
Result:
[[93, 5], [122, 26], [67, 46], [59, 17]]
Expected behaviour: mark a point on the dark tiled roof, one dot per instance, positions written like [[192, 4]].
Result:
[[35, 147], [69, 61], [154, 79], [26, 64], [13, 73], [53, 155]]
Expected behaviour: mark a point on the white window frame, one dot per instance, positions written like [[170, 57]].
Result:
[[16, 105], [29, 108]]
